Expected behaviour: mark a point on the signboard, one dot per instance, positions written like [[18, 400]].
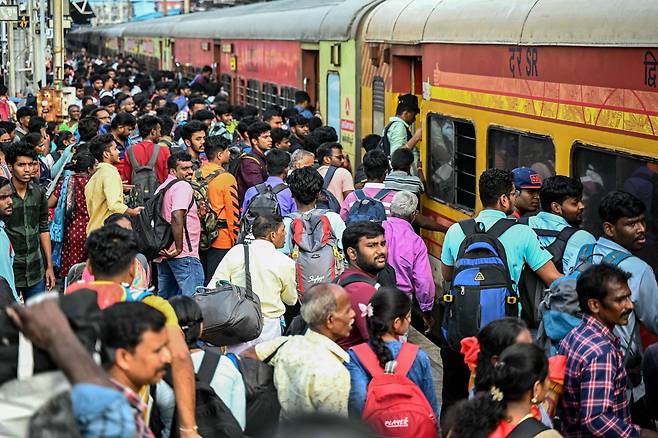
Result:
[[24, 22], [8, 13], [234, 63]]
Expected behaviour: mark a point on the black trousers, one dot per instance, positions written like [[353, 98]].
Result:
[[455, 379], [210, 260]]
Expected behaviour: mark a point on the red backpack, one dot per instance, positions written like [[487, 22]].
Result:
[[5, 109], [395, 406]]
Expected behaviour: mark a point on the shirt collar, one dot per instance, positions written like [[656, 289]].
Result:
[[2, 223], [133, 398], [611, 245], [317, 338], [397, 119], [398, 173], [598, 326], [212, 166], [372, 185], [263, 244], [553, 218], [491, 214], [274, 180]]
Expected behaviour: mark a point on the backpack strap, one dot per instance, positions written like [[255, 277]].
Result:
[[382, 194], [586, 253], [614, 258], [360, 195], [524, 220], [154, 156], [528, 427], [368, 359], [406, 358], [246, 268], [468, 227], [385, 142], [499, 228], [131, 157], [355, 278], [261, 188], [279, 188], [208, 366], [329, 176]]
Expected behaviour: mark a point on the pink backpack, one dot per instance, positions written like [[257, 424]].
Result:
[[395, 406]]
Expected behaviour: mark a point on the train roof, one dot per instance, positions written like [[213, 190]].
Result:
[[297, 20], [525, 22]]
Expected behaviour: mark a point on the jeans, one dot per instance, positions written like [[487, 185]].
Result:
[[29, 292], [210, 260], [179, 277], [455, 379]]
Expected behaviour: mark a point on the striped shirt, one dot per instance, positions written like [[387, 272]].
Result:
[[399, 180]]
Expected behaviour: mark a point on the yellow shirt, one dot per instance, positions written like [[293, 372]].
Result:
[[104, 195], [309, 374], [272, 275]]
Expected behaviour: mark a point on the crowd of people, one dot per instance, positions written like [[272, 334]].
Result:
[[196, 268]]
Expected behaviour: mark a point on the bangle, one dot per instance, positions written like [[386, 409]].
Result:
[[192, 429]]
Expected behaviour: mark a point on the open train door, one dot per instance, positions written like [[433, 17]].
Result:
[[310, 74]]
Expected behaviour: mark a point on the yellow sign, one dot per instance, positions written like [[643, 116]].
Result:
[[234, 63], [23, 22]]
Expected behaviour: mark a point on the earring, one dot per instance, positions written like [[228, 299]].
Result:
[[534, 400]]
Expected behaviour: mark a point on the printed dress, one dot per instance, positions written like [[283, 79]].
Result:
[[75, 235]]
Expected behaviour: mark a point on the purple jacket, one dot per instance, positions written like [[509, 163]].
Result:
[[407, 254]]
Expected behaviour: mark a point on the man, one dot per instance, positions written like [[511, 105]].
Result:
[[139, 345], [149, 128], [7, 254], [305, 185], [223, 120], [364, 245], [183, 92], [407, 253], [400, 177], [28, 227], [272, 275], [594, 401], [341, 183], [253, 167], [179, 268], [281, 139], [104, 191], [375, 165], [23, 115], [109, 104], [273, 118], [397, 132], [112, 261], [71, 124], [103, 116], [204, 116], [201, 82], [223, 199], [194, 136], [624, 229], [120, 128], [277, 168], [127, 104], [497, 194], [96, 82], [528, 184], [561, 199], [108, 87], [301, 158], [303, 104], [309, 370], [299, 129]]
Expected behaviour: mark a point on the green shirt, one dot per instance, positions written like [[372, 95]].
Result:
[[397, 133], [28, 220]]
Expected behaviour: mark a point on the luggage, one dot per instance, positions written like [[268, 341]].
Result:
[[395, 406], [367, 208], [481, 289], [263, 202], [210, 223], [144, 177], [326, 200], [231, 314]]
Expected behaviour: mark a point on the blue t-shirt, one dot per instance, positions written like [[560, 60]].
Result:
[[420, 373], [520, 242]]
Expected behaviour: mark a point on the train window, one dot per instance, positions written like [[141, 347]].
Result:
[[253, 93], [333, 101], [378, 106], [287, 99], [225, 81], [602, 171], [451, 161], [509, 149], [270, 95], [242, 92]]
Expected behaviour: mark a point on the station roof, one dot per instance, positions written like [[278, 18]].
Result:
[[526, 22]]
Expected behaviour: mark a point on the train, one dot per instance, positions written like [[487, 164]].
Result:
[[562, 86]]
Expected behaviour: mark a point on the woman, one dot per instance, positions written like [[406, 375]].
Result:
[[388, 316], [519, 381], [75, 212], [227, 381]]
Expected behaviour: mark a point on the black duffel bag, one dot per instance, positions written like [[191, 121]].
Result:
[[231, 314]]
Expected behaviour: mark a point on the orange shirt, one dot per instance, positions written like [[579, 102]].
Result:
[[223, 198]]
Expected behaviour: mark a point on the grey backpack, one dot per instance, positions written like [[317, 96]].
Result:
[[314, 249], [144, 177]]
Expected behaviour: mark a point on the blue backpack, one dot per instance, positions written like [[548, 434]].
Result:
[[482, 288], [326, 200], [559, 310], [366, 208]]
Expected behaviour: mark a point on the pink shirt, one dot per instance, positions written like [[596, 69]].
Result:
[[341, 182], [370, 189], [179, 197]]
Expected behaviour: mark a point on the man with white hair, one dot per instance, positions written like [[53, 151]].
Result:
[[301, 158], [309, 370], [407, 253]]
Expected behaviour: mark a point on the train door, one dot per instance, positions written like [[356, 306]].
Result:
[[310, 74], [408, 78], [216, 59]]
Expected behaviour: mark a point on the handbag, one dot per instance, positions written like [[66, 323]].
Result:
[[231, 314]]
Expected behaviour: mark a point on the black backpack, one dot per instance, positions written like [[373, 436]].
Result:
[[326, 199], [384, 144], [531, 288], [153, 231], [263, 202], [144, 177], [213, 418]]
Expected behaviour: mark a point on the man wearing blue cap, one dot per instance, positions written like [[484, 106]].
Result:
[[527, 183]]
